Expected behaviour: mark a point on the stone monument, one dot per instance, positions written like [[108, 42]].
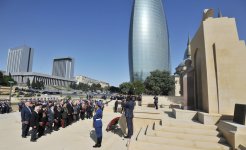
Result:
[[216, 56]]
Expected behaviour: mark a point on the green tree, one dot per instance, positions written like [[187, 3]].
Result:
[[41, 85], [38, 85], [6, 80], [125, 87], [33, 84], [93, 87], [114, 89], [159, 82], [73, 86], [83, 87], [1, 78], [28, 83], [138, 87], [98, 86]]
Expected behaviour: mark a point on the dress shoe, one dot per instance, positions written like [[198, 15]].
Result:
[[96, 145], [126, 137], [33, 140]]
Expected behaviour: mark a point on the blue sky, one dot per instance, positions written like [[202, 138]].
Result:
[[95, 32]]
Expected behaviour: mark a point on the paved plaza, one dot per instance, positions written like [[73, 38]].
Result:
[[165, 128], [79, 135]]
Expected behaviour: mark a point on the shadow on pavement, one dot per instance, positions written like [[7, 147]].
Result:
[[93, 135], [117, 130]]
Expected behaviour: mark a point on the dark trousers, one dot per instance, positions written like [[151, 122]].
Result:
[[50, 127], [41, 130], [129, 126], [115, 109], [56, 125], [82, 115], [70, 119], [25, 129], [99, 141], [88, 114], [77, 117], [156, 105], [34, 134]]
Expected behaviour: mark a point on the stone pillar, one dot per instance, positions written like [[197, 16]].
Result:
[[188, 86]]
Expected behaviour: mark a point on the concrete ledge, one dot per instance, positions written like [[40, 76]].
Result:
[[208, 119], [162, 100], [241, 147], [234, 133], [187, 115], [150, 105]]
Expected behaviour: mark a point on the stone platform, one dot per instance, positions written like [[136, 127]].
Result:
[[178, 134]]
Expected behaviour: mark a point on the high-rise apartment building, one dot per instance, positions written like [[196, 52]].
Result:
[[63, 67], [20, 59]]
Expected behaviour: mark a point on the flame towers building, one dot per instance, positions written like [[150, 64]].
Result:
[[148, 39]]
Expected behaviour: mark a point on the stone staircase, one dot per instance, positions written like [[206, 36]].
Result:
[[173, 134]]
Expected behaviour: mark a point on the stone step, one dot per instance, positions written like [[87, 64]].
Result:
[[185, 136], [147, 146], [148, 116], [183, 142], [192, 131], [188, 124]]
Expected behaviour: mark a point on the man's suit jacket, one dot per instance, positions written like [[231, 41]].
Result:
[[34, 119], [129, 107], [70, 109], [26, 114]]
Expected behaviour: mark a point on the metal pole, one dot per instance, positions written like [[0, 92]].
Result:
[[10, 93]]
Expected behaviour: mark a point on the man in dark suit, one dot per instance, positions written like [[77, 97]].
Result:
[[129, 107], [50, 114], [70, 111], [26, 114], [35, 123], [156, 101]]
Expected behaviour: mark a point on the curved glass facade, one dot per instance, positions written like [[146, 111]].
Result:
[[148, 39]]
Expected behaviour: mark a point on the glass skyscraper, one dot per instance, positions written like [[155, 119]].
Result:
[[148, 39]]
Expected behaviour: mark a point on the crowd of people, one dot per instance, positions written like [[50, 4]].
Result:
[[5, 107], [45, 116]]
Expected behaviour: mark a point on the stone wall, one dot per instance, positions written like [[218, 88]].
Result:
[[217, 57], [162, 100]]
